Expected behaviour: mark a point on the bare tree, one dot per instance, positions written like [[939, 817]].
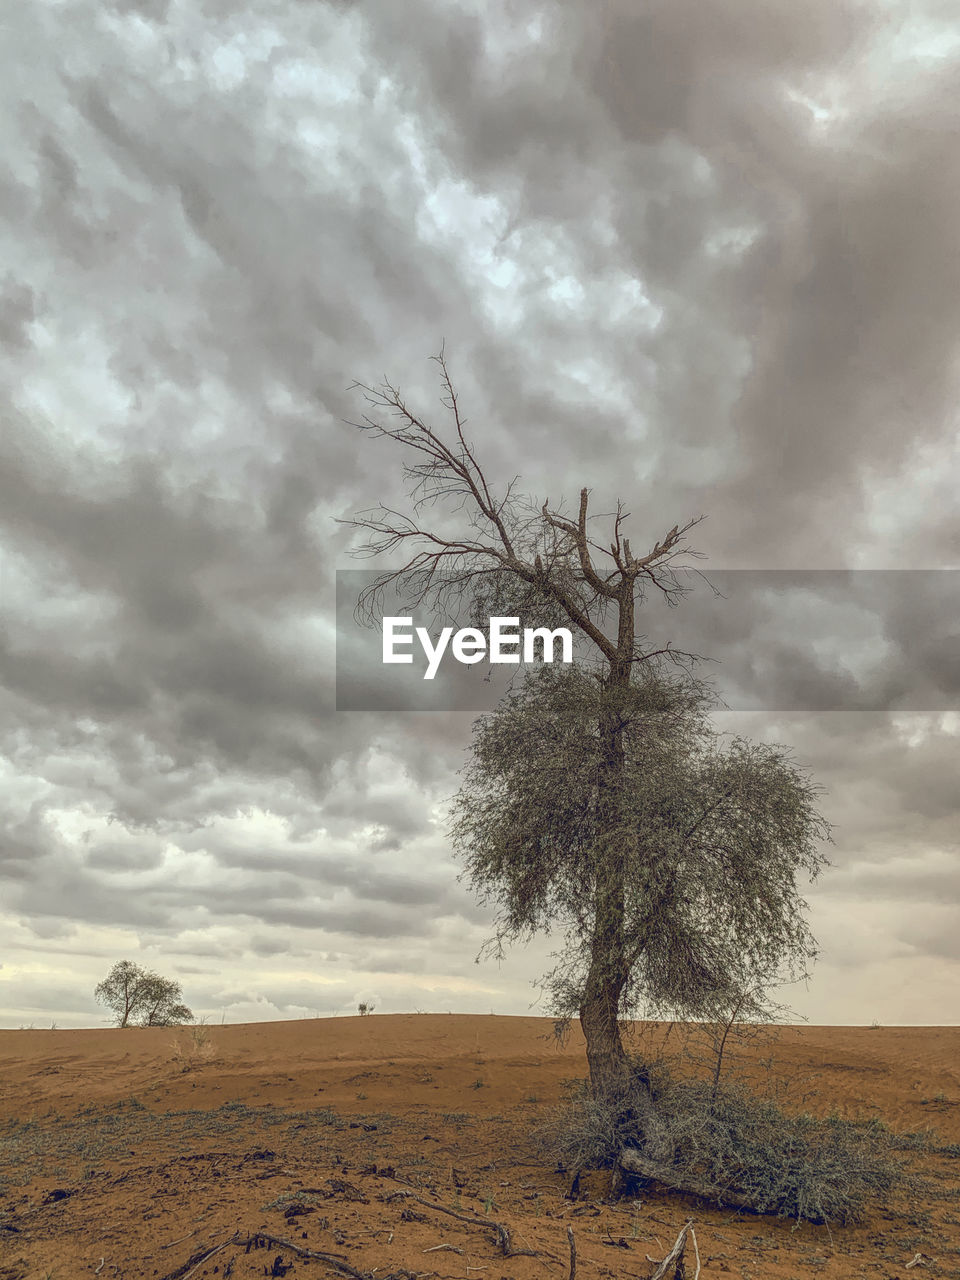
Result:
[[513, 556]]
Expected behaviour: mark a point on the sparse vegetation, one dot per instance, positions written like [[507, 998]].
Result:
[[725, 1143], [347, 1179], [194, 1047]]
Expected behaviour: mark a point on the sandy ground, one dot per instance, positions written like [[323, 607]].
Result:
[[396, 1145]]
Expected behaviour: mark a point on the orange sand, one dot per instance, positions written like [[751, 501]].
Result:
[[131, 1153]]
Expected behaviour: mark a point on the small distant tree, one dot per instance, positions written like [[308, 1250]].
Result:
[[137, 997], [163, 1004], [363, 1008]]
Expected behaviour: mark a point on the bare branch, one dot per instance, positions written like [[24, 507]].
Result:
[[578, 532]]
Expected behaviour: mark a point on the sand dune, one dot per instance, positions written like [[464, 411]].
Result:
[[131, 1153]]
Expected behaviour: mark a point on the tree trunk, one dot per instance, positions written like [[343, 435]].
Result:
[[609, 1069], [634, 1161], [608, 973]]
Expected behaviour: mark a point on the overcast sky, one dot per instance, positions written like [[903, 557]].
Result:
[[700, 257]]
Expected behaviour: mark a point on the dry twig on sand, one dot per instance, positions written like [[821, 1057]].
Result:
[[675, 1258], [259, 1240], [262, 1239], [501, 1231]]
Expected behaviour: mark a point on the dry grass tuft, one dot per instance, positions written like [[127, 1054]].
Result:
[[194, 1048]]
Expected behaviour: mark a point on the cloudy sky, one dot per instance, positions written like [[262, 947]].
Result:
[[700, 257]]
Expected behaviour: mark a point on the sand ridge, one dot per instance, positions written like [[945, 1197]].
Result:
[[134, 1151]]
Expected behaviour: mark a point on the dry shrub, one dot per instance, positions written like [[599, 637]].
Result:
[[194, 1048], [791, 1165]]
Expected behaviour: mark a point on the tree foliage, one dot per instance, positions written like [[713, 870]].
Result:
[[711, 837], [137, 997]]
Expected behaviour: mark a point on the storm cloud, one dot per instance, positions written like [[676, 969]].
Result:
[[700, 258]]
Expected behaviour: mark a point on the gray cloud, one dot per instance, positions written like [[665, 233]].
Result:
[[701, 259]]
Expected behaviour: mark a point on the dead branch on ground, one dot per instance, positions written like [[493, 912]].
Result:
[[631, 1161], [499, 1229], [675, 1258]]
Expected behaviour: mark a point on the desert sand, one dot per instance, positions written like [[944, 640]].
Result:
[[398, 1145]]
